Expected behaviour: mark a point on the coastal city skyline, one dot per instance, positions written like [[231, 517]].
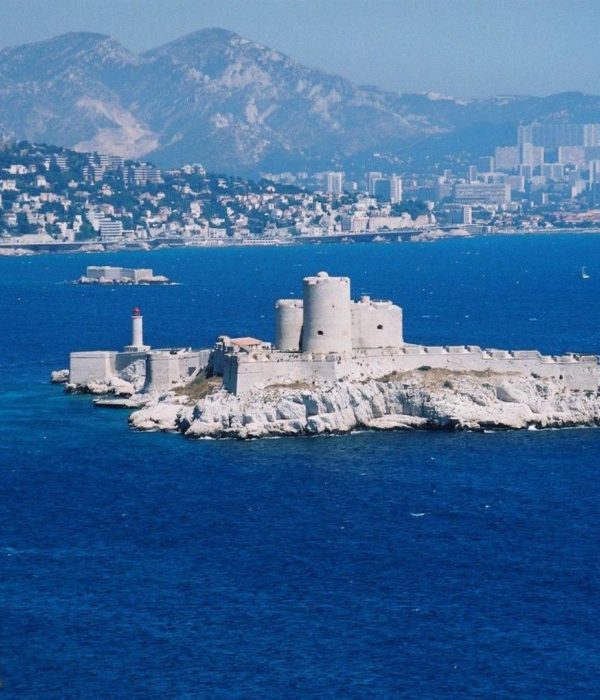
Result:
[[466, 49], [54, 199]]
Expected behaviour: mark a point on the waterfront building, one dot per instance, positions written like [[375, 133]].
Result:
[[111, 230]]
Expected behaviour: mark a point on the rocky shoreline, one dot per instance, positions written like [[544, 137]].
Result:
[[422, 399]]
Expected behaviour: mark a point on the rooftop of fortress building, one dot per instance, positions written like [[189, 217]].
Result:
[[322, 276], [245, 342]]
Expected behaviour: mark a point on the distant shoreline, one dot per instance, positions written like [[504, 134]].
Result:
[[398, 236]]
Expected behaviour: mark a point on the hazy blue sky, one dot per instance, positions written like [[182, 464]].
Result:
[[458, 47]]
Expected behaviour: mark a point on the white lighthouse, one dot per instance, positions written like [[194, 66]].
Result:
[[137, 332]]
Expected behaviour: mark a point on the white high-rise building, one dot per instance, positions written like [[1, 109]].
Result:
[[481, 193], [111, 230], [506, 158], [372, 177], [395, 189], [531, 155], [594, 172], [555, 135], [572, 155], [335, 182], [591, 135]]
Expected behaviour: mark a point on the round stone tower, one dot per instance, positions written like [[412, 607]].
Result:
[[327, 314], [288, 324]]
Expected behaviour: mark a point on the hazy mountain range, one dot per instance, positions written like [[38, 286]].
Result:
[[234, 105]]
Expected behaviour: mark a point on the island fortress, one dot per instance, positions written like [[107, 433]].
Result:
[[324, 338]]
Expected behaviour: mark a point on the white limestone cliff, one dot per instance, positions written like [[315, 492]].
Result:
[[434, 399], [59, 376]]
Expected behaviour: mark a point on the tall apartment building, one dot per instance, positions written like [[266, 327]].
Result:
[[594, 172], [531, 155], [594, 182], [591, 135], [388, 189], [572, 155], [371, 177], [506, 158], [335, 182], [555, 135], [553, 171], [395, 189], [142, 174]]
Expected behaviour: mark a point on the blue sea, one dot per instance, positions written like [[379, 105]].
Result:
[[374, 565]]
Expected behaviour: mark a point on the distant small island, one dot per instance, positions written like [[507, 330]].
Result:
[[104, 274]]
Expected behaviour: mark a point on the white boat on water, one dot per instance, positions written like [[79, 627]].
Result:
[[584, 274]]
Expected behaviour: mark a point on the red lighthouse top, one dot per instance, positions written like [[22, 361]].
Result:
[[137, 311]]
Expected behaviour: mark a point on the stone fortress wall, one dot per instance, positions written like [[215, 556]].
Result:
[[117, 274], [327, 337], [166, 369], [93, 365], [162, 369], [244, 371]]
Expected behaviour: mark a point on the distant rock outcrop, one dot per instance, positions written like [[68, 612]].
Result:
[[237, 106], [434, 399]]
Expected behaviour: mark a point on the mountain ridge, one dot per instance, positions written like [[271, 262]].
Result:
[[215, 97]]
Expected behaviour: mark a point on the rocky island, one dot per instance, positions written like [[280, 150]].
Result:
[[433, 399], [336, 366], [105, 274]]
